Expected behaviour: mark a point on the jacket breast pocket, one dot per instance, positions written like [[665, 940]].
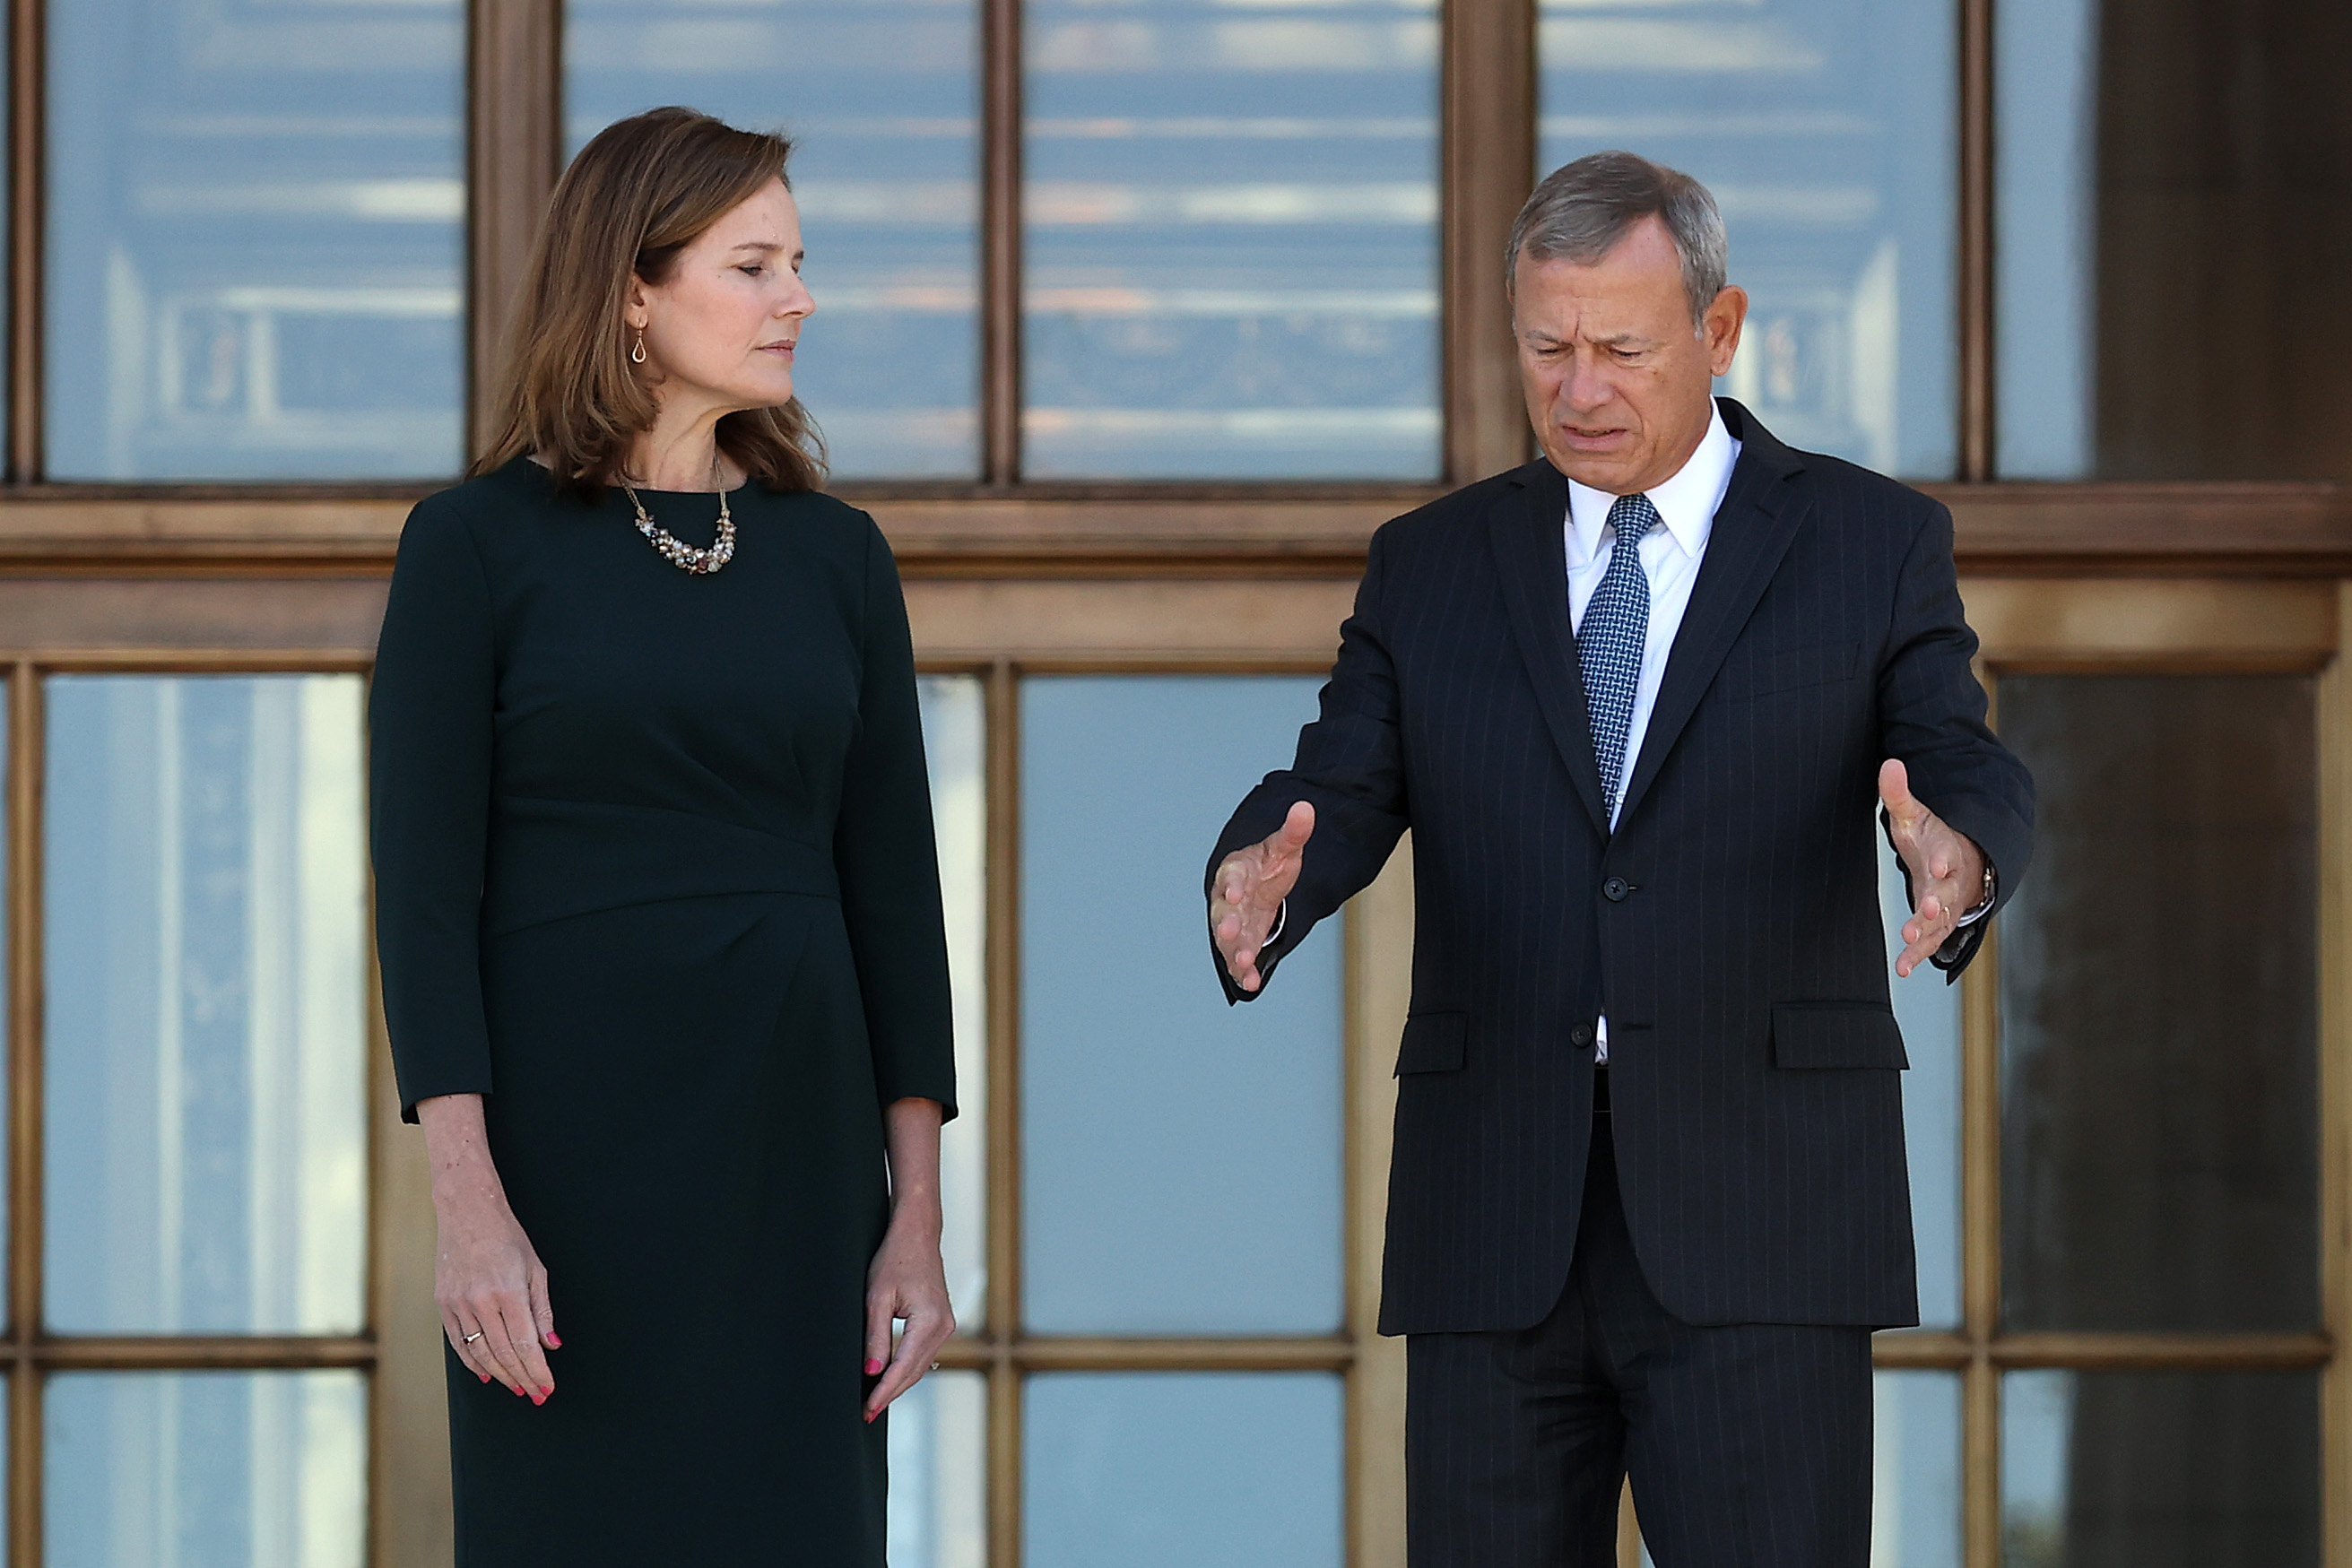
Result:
[[1433, 1042], [1833, 1034], [1770, 670]]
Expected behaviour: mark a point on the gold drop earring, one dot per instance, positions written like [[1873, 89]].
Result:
[[637, 354]]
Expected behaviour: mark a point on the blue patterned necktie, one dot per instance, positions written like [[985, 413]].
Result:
[[1609, 643]]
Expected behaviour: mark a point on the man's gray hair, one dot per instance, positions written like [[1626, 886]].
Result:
[[1582, 209]]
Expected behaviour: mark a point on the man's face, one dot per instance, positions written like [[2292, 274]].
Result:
[[1618, 382]]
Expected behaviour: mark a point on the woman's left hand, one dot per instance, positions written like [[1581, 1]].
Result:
[[906, 1280]]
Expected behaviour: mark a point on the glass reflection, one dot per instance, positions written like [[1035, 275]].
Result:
[[1928, 1012], [1825, 128], [205, 1006], [2160, 1469], [1915, 1499], [1175, 1469], [1182, 1158], [955, 738], [2172, 209], [255, 236], [938, 1473], [880, 98], [1232, 239], [2159, 988], [207, 1469]]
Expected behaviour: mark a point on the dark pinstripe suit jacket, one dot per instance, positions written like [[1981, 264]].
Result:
[[1729, 928]]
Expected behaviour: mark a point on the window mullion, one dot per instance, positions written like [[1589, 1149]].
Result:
[[514, 117], [1976, 281], [1486, 165], [24, 1119], [1000, 266], [26, 75]]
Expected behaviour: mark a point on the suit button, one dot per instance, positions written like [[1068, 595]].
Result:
[[1615, 888], [1580, 1036]]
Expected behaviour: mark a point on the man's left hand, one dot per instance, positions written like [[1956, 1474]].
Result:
[[1947, 868]]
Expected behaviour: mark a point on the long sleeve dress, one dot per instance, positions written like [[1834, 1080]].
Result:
[[654, 874]]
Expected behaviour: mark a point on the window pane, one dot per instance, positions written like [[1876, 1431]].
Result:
[[206, 1009], [1914, 1505], [955, 738], [207, 1469], [254, 259], [938, 1473], [2158, 1006], [2160, 1469], [1232, 232], [1182, 1157], [1825, 128], [1928, 1012], [2175, 189], [880, 98], [1177, 1469]]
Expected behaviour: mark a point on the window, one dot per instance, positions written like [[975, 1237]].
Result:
[[1134, 319], [1826, 129], [2171, 188], [254, 263], [881, 100]]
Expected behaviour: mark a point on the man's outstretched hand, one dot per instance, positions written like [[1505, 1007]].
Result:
[[1946, 866], [1249, 891]]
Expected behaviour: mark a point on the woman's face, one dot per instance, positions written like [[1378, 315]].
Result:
[[721, 329]]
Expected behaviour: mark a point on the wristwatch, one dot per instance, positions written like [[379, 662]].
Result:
[[1985, 903]]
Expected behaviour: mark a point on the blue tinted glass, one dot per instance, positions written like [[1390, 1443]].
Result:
[[256, 239], [1915, 1504], [2160, 1469], [1179, 1470], [1232, 239], [880, 100], [206, 1155], [1182, 1157], [1928, 1011], [1825, 128], [207, 1469], [938, 1473], [2045, 86], [955, 739]]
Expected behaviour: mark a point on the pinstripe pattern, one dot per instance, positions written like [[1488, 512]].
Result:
[[1752, 1045], [1748, 1443]]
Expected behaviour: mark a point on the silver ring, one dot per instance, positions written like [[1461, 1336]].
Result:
[[472, 1337], [935, 1366]]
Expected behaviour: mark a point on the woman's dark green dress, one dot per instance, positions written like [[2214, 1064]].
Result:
[[654, 874]]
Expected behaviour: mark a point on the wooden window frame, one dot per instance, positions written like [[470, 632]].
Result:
[[395, 1292], [1006, 575]]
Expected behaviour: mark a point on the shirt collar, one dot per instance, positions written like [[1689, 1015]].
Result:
[[1686, 502]]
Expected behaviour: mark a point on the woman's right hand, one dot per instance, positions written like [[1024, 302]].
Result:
[[486, 1278]]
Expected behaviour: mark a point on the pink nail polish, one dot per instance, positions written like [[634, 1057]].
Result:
[[545, 1392], [872, 1367], [484, 1376], [554, 1340]]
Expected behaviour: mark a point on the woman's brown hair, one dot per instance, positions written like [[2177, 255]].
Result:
[[635, 198]]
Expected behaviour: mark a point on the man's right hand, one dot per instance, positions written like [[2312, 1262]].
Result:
[[1250, 888]]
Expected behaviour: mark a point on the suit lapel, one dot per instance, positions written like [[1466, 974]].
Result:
[[1528, 530], [1759, 517]]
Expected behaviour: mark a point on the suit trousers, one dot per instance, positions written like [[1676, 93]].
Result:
[[1748, 1443]]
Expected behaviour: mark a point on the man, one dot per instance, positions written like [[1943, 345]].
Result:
[[1634, 699]]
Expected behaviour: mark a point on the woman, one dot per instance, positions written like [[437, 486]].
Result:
[[659, 908]]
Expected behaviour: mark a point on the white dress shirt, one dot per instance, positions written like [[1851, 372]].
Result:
[[1670, 560]]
